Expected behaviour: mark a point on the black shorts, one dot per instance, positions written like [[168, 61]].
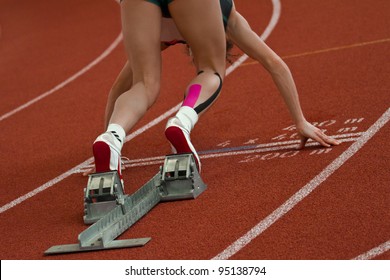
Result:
[[226, 7], [163, 4]]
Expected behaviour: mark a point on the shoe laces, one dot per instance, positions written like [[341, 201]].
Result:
[[124, 160]]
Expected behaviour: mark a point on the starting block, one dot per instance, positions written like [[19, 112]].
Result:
[[180, 178], [112, 211], [103, 193]]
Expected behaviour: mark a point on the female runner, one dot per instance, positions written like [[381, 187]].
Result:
[[198, 24]]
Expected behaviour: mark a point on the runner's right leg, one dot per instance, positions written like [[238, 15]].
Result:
[[200, 23]]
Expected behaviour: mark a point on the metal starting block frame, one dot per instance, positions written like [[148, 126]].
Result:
[[113, 212], [180, 178], [103, 193]]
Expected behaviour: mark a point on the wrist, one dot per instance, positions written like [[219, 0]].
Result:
[[300, 123]]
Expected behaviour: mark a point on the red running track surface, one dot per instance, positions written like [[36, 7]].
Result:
[[311, 204]]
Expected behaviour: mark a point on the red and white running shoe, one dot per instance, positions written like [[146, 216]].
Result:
[[179, 137], [107, 154]]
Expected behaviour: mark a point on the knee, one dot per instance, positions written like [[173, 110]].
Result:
[[214, 62], [213, 79]]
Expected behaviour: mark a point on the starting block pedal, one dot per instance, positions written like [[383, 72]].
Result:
[[180, 178], [113, 212], [103, 193]]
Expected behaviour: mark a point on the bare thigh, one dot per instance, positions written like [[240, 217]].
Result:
[[200, 23], [141, 25]]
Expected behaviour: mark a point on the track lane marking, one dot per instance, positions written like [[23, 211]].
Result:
[[362, 44], [304, 191], [379, 250], [233, 151], [271, 25], [97, 60]]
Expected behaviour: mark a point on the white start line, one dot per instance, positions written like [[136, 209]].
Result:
[[264, 36]]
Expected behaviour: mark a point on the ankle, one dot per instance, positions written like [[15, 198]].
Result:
[[119, 134]]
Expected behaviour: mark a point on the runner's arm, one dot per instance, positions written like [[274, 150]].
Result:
[[241, 34]]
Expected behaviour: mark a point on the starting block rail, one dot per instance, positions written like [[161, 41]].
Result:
[[114, 212]]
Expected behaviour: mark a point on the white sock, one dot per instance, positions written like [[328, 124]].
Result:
[[188, 118], [119, 134]]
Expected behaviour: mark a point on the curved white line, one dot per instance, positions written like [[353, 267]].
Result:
[[276, 11], [305, 191], [67, 81], [271, 25]]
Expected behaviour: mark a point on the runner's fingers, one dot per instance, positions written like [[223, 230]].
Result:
[[302, 143], [328, 139], [333, 141], [317, 135], [322, 140]]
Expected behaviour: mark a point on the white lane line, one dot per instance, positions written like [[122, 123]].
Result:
[[270, 149], [276, 11], [374, 252], [42, 187], [305, 191], [131, 136], [203, 154], [228, 154], [159, 160], [80, 166], [264, 36], [67, 81], [260, 148]]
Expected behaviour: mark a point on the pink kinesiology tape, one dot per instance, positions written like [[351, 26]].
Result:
[[192, 96]]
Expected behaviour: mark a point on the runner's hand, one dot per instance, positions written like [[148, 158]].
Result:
[[307, 130]]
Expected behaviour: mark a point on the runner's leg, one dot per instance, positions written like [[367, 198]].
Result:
[[141, 25], [200, 23]]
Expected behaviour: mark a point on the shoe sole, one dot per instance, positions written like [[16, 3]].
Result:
[[102, 154], [178, 140]]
